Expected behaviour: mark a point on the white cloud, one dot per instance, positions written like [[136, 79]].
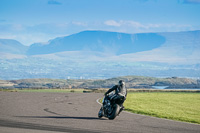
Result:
[[123, 23], [134, 26], [112, 23], [78, 23]]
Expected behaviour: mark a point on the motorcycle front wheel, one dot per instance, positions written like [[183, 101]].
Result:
[[100, 114], [115, 112]]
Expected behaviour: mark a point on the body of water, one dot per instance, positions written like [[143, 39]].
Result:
[[165, 87]]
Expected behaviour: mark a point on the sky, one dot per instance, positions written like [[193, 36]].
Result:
[[32, 21]]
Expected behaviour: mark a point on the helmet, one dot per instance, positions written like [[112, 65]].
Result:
[[121, 82]]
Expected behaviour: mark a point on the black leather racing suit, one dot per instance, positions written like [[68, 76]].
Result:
[[120, 91]]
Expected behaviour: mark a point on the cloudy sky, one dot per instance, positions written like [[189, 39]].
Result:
[[30, 21]]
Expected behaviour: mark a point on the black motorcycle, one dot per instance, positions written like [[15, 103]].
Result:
[[111, 107]]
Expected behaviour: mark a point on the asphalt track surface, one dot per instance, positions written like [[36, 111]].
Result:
[[22, 112]]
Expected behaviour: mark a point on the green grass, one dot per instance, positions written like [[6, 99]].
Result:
[[170, 105]]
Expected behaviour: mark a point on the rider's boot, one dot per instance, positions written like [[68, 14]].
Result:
[[121, 108]]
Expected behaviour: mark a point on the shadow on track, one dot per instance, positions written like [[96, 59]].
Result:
[[32, 126]]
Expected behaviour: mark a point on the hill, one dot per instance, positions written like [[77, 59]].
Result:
[[12, 46], [168, 47], [100, 41], [139, 82]]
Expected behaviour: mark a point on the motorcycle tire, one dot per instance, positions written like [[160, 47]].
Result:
[[115, 112], [100, 114]]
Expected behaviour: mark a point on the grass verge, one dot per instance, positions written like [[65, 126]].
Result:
[[170, 105]]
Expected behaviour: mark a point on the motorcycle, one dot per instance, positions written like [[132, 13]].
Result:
[[111, 107]]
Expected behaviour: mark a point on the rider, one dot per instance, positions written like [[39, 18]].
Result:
[[120, 91]]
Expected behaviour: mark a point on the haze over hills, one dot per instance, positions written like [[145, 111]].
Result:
[[103, 54], [12, 46], [179, 48]]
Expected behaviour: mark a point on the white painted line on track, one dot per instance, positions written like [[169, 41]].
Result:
[[98, 101]]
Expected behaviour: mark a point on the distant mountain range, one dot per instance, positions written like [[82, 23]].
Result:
[[101, 54], [100, 41]]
